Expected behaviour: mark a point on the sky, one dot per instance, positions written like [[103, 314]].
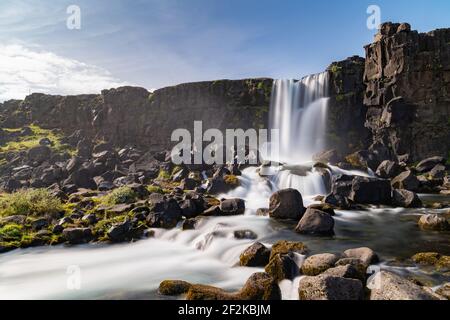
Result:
[[157, 43]]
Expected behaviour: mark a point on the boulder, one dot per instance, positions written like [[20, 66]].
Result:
[[344, 271], [285, 247], [188, 184], [429, 163], [260, 286], [427, 258], [232, 206], [77, 235], [370, 191], [433, 222], [406, 180], [366, 255], [257, 255], [444, 290], [174, 287], [341, 185], [282, 266], [316, 264], [165, 213], [388, 169], [119, 232], [82, 179], [438, 172], [286, 204], [39, 153], [316, 222], [327, 287], [245, 234], [39, 224], [406, 199], [386, 285]]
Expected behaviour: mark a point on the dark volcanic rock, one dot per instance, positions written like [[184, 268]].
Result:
[[371, 191], [286, 204], [406, 180], [316, 222], [406, 199], [77, 235], [232, 206], [257, 255]]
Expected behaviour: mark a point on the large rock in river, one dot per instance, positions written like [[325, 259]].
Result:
[[327, 287], [433, 222], [257, 255], [316, 264], [429, 163], [316, 222], [386, 285], [371, 191], [406, 199], [286, 204], [406, 180]]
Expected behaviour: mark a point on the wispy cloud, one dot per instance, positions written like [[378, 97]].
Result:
[[24, 70]]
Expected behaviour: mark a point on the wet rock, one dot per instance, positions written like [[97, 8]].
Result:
[[366, 255], [326, 287], [282, 266], [444, 290], [204, 292], [427, 258], [433, 222], [438, 172], [386, 285], [77, 235], [341, 185], [164, 214], [316, 222], [174, 287], [286, 204], [189, 208], [337, 201], [357, 265], [286, 247], [190, 224], [232, 206], [263, 212], [429, 163], [316, 264], [325, 207], [245, 234], [406, 199], [406, 180], [388, 169], [370, 191], [345, 271], [257, 255], [260, 286]]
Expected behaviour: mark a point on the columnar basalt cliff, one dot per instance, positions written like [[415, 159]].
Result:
[[347, 113], [407, 75], [131, 115]]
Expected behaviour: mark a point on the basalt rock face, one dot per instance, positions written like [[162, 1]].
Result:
[[346, 116], [131, 115], [407, 75]]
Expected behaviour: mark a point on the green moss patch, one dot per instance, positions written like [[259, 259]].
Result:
[[29, 202]]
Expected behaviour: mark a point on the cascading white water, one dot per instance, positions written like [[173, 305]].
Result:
[[207, 254], [299, 110]]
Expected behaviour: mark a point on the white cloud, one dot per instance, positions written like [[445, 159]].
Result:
[[24, 70]]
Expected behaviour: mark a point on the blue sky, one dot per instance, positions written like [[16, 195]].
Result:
[[156, 43]]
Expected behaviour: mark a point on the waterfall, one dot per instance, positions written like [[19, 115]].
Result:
[[299, 111]]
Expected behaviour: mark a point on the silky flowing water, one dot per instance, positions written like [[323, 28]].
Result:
[[210, 254]]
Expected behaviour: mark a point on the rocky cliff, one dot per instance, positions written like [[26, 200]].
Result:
[[130, 115], [407, 78]]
